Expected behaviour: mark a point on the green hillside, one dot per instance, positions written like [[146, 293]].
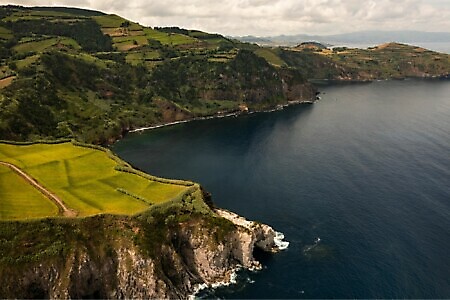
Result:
[[74, 73]]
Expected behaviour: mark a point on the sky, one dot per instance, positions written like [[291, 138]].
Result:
[[273, 17]]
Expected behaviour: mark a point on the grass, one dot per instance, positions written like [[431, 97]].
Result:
[[40, 46], [85, 180], [125, 46], [141, 40], [19, 200], [114, 21], [38, 15], [138, 57], [5, 34], [172, 39], [101, 63], [125, 43], [270, 57], [27, 61]]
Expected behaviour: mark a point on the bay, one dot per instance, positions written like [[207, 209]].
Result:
[[366, 169]]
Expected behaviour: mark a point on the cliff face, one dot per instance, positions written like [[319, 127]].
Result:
[[201, 250], [388, 61]]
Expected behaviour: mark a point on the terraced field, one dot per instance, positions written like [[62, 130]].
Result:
[[40, 46], [173, 39], [88, 181]]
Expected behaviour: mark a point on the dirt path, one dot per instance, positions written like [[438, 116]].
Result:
[[62, 207]]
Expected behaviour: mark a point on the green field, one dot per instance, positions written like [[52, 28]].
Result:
[[40, 46], [37, 15], [135, 58], [172, 39], [5, 34], [125, 43], [101, 63], [87, 180], [19, 200], [270, 57], [114, 21]]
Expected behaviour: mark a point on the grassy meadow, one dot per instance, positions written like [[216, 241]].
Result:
[[172, 39], [87, 180], [42, 45], [20, 200], [270, 56]]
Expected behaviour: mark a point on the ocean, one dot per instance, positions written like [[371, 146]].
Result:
[[358, 182]]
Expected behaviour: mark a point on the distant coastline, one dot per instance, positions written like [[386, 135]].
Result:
[[219, 115]]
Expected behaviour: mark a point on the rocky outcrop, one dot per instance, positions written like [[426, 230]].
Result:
[[197, 252]]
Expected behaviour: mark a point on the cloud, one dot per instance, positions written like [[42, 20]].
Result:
[[272, 17]]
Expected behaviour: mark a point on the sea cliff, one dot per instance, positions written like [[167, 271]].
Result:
[[168, 252]]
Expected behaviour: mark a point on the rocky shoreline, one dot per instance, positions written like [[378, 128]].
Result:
[[204, 251], [220, 115], [255, 234]]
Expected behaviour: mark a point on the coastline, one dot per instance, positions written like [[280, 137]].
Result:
[[262, 236], [278, 107], [232, 279], [220, 115], [237, 113]]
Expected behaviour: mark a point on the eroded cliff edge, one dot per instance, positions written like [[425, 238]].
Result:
[[166, 252]]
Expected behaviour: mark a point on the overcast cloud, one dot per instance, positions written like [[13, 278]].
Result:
[[274, 17]]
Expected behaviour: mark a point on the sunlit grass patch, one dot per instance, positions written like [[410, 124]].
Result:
[[86, 179], [20, 200]]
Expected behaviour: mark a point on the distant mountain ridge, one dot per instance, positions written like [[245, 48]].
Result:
[[375, 37]]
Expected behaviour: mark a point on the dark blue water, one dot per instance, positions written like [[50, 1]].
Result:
[[366, 169]]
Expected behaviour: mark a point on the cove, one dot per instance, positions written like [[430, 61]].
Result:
[[359, 183]]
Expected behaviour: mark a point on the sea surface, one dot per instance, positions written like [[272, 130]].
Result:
[[366, 170]]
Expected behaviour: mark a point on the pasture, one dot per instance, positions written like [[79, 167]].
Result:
[[87, 180], [172, 39], [42, 45], [270, 57], [20, 200]]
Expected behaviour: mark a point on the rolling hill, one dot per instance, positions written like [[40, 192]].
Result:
[[74, 73]]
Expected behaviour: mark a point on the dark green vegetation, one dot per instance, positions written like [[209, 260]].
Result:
[[47, 246], [63, 232], [75, 73], [82, 74], [387, 61]]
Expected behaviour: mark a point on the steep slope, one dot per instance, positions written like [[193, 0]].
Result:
[[71, 73], [167, 252], [386, 61], [91, 76]]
